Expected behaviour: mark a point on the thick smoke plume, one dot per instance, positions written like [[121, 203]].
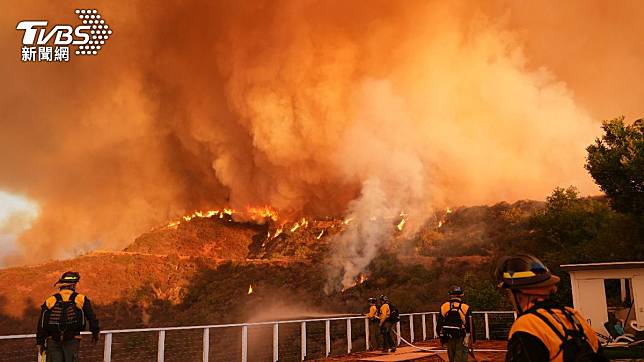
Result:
[[300, 105]]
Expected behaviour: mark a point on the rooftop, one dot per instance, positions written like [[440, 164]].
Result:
[[602, 266]]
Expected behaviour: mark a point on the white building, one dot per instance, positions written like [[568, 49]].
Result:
[[589, 292]]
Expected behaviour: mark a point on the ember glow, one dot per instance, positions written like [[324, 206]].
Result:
[[307, 109]]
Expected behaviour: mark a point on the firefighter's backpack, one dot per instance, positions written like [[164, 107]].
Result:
[[575, 345], [453, 323], [64, 315], [394, 314]]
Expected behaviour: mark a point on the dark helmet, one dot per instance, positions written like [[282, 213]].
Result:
[[523, 272], [455, 290], [68, 278], [372, 300], [384, 298]]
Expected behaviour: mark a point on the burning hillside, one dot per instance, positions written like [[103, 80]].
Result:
[[319, 108], [191, 272], [255, 233]]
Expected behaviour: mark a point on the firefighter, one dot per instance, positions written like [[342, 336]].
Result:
[[62, 318], [387, 321], [544, 330], [455, 325], [374, 323]]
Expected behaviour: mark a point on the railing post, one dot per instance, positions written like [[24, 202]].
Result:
[[303, 341], [327, 334], [398, 329], [424, 327], [161, 347], [366, 334], [276, 354], [244, 351], [434, 325], [487, 326], [107, 351], [206, 344], [411, 328], [348, 335]]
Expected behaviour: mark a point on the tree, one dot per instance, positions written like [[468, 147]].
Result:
[[567, 220], [616, 162]]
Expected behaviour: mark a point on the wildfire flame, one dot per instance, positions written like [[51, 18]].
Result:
[[402, 222], [265, 212], [442, 221], [173, 225], [361, 278], [199, 214], [303, 223], [320, 235], [250, 289], [253, 213]]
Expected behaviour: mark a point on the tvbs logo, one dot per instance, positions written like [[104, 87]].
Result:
[[43, 44]]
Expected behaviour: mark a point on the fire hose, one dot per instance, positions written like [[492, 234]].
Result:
[[444, 350], [470, 351]]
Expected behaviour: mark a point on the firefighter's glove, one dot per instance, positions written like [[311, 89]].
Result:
[[467, 341]]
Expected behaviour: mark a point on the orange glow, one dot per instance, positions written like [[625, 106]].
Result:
[[262, 213]]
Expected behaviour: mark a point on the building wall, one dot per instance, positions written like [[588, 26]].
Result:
[[589, 296]]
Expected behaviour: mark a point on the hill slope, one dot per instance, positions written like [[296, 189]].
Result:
[[199, 271]]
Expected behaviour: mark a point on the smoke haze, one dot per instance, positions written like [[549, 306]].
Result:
[[312, 107]]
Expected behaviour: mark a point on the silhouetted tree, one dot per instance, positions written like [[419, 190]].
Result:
[[616, 162]]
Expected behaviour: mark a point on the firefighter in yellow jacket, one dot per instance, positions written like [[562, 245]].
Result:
[[454, 325], [386, 324], [374, 324], [545, 330], [62, 318]]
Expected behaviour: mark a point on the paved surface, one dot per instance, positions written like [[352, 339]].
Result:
[[431, 352], [412, 356], [402, 354]]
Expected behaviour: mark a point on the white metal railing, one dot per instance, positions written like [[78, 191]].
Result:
[[107, 350]]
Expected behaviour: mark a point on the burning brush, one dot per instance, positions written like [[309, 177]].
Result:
[[361, 278]]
